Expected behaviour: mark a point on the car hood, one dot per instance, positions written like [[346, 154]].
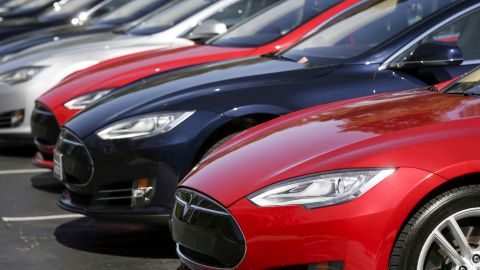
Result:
[[102, 43], [368, 132], [69, 54], [120, 71], [146, 96], [27, 40]]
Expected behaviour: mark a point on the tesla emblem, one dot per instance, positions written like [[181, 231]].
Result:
[[187, 214]]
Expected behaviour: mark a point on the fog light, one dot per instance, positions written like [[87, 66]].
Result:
[[142, 192], [16, 118]]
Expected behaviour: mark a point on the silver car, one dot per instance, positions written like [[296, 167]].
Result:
[[27, 75]]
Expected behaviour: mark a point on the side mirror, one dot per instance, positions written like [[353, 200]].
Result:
[[207, 30], [432, 54]]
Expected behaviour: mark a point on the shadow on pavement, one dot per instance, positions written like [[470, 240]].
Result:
[[46, 182], [118, 239], [17, 148]]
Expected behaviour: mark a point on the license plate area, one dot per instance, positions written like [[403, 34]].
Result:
[[58, 172]]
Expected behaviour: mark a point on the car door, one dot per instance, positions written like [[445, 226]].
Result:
[[446, 51]]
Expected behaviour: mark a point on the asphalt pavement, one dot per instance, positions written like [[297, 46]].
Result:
[[36, 234]]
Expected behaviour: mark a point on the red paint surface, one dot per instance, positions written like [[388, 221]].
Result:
[[429, 137]]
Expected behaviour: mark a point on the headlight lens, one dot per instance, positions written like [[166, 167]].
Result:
[[82, 102], [321, 189], [144, 126], [19, 75]]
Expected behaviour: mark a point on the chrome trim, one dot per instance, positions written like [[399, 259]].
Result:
[[72, 142], [114, 198], [471, 62], [40, 111], [389, 60], [192, 264], [115, 190], [202, 209], [62, 137], [230, 215], [42, 145]]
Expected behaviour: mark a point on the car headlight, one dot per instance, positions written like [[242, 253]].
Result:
[[82, 102], [320, 190], [144, 126], [19, 75]]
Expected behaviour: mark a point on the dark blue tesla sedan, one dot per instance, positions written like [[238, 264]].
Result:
[[123, 157]]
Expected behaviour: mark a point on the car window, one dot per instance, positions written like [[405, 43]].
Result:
[[468, 85], [65, 7], [463, 32], [125, 10], [274, 23], [241, 10], [169, 16], [362, 29]]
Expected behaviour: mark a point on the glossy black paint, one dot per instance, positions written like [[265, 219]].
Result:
[[25, 12], [431, 52], [20, 42], [17, 26], [222, 244], [221, 93]]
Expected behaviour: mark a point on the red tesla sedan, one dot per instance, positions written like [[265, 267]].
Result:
[[275, 29], [385, 182]]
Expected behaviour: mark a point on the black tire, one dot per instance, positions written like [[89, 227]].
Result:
[[218, 144], [413, 236]]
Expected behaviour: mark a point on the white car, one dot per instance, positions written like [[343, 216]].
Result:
[[27, 75]]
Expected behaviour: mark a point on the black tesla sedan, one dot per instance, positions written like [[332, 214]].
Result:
[[123, 157]]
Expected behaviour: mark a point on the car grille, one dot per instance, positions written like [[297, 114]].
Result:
[[117, 194], [11, 119], [76, 160], [205, 232], [45, 127]]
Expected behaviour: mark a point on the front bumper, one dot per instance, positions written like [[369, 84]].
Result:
[[135, 216], [13, 98], [45, 132], [101, 176], [357, 235]]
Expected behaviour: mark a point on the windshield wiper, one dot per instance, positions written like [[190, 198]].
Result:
[[467, 94], [432, 88], [278, 57]]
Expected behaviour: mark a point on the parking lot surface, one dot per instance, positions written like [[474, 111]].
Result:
[[36, 234]]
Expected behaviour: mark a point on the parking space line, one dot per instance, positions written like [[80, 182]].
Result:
[[17, 219], [25, 171]]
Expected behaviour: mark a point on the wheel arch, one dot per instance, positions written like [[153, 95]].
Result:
[[458, 180], [232, 124]]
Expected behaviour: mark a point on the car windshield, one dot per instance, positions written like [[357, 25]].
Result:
[[66, 7], [273, 23], [468, 85], [361, 29], [169, 16], [124, 9]]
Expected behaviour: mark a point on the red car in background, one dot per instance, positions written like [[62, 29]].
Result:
[[268, 32], [384, 182]]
